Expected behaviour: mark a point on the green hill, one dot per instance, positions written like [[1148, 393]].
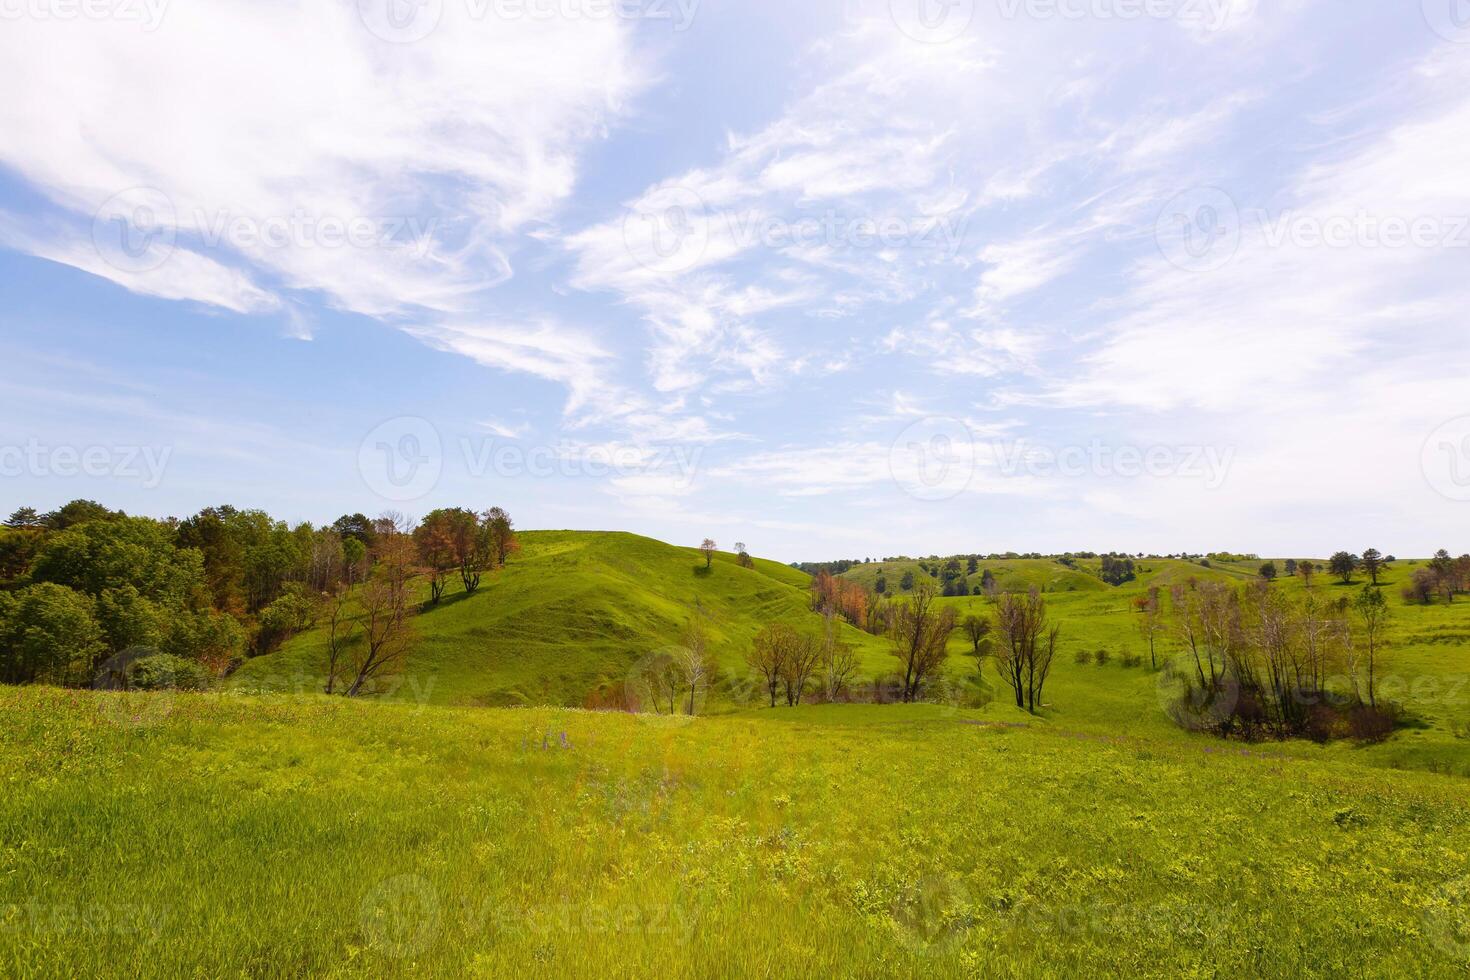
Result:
[[1013, 574], [572, 614]]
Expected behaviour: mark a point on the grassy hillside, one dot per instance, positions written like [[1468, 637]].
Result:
[[1016, 574], [1426, 668], [574, 612], [220, 835]]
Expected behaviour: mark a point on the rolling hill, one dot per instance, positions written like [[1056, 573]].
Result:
[[572, 615]]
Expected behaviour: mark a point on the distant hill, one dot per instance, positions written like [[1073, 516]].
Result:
[[572, 614]]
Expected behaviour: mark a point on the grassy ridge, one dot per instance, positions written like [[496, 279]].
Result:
[[577, 610], [574, 612], [218, 835]]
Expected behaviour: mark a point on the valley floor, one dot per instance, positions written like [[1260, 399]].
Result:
[[221, 834]]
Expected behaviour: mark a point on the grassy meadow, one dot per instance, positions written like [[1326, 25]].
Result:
[[470, 818], [231, 835], [576, 612]]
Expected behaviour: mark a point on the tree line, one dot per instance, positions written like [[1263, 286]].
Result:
[[90, 595]]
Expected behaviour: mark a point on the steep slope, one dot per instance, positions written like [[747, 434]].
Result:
[[572, 615]]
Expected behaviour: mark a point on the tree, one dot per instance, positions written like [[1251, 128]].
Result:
[[707, 548], [1027, 648], [342, 630], [920, 638], [387, 609], [744, 556], [354, 560], [434, 539], [1268, 571], [1373, 613], [502, 535], [49, 633], [839, 664], [976, 630], [987, 582], [768, 653], [1291, 568], [907, 582], [1373, 563], [1343, 564], [694, 658], [799, 665], [24, 517], [1307, 570], [1151, 624], [472, 545]]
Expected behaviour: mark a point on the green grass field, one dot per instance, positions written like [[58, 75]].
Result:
[[226, 835], [447, 826]]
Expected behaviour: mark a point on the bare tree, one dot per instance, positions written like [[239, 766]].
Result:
[[767, 655], [839, 663], [342, 630], [1151, 624], [1027, 648], [387, 610], [694, 658], [707, 547], [920, 637], [798, 667]]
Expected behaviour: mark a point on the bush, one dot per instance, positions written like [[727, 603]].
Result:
[[1131, 659], [1370, 724], [1102, 657], [1084, 657], [165, 672]]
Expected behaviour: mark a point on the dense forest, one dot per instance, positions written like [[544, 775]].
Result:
[[90, 595]]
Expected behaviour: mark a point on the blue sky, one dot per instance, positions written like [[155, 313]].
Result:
[[862, 279]]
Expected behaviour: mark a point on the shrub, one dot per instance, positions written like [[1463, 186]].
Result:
[[1369, 724], [1102, 657], [1131, 659], [1084, 657], [165, 672]]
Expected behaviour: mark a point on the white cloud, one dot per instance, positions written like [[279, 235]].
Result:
[[283, 121]]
